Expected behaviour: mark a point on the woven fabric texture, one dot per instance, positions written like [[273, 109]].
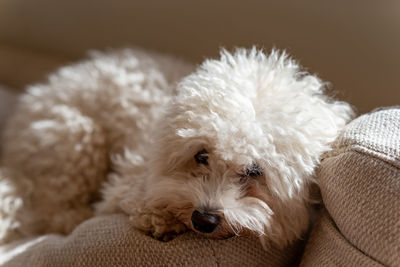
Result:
[[111, 241], [328, 247], [359, 226], [360, 188]]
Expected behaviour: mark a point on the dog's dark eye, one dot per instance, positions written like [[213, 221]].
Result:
[[201, 157], [253, 171]]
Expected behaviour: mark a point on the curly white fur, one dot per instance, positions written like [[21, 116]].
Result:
[[131, 122]]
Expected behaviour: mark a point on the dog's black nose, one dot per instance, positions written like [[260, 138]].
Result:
[[205, 222]]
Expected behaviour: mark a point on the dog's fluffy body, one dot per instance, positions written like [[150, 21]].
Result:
[[132, 124]]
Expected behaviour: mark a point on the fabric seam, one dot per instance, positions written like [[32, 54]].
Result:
[[348, 241], [213, 253], [364, 151]]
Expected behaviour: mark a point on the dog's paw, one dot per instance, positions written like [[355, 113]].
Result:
[[167, 232], [161, 226]]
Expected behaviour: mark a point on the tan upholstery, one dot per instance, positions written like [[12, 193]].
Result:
[[360, 187], [111, 241], [327, 247]]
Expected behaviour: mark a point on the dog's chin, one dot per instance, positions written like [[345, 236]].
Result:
[[217, 234], [223, 231]]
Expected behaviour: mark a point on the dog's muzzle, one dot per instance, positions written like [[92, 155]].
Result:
[[205, 222]]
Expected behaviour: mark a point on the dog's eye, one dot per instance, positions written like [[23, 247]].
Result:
[[201, 157], [253, 171]]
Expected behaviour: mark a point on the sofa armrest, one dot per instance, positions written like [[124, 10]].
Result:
[[360, 187]]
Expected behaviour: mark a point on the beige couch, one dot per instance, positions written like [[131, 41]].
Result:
[[353, 45], [357, 225], [360, 187]]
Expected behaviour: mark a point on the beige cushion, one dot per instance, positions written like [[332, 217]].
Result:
[[111, 241], [360, 187]]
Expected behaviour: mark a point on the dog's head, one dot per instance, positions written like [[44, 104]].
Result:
[[237, 148]]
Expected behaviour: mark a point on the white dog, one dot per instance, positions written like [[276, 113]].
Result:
[[230, 149]]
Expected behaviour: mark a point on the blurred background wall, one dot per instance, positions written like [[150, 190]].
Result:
[[353, 44]]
